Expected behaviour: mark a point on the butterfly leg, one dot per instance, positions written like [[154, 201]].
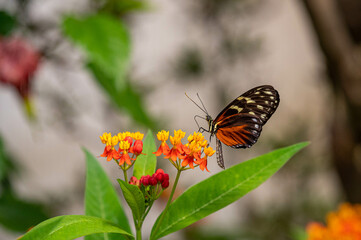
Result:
[[202, 130], [219, 153]]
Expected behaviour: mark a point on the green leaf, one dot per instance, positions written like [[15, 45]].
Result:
[[221, 190], [71, 227], [8, 23], [106, 42], [7, 166], [122, 7], [107, 45], [18, 214], [127, 98], [101, 199], [134, 198], [146, 164], [298, 233]]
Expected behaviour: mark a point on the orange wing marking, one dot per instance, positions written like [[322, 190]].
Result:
[[232, 135]]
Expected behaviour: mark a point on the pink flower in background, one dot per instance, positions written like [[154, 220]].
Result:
[[18, 62]]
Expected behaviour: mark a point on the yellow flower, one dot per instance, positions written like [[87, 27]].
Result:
[[115, 140], [163, 136], [105, 137], [124, 145], [196, 136], [178, 135], [138, 136], [209, 151]]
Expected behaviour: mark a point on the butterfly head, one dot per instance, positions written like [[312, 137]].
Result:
[[211, 128]]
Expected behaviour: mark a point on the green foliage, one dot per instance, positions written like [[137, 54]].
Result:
[[134, 198], [194, 204], [107, 45], [146, 164], [122, 7], [18, 214], [221, 190], [298, 233], [106, 42], [71, 227], [8, 23], [101, 199], [6, 164]]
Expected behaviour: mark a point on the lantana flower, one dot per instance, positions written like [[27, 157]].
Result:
[[109, 150], [203, 161], [123, 152], [129, 143], [163, 148], [181, 155], [177, 151], [193, 151]]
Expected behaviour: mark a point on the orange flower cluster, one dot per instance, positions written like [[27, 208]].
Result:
[[128, 143], [183, 155], [342, 225]]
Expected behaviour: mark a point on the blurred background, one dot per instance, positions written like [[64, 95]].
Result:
[[73, 69]]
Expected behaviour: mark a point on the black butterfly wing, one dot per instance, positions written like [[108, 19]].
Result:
[[261, 101], [239, 125]]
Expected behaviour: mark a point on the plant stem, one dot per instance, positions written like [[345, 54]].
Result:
[[138, 233], [169, 200], [147, 211], [125, 175]]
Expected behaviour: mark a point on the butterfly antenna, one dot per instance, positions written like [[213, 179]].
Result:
[[202, 103], [204, 110]]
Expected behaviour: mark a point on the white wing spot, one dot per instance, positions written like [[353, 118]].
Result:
[[257, 93], [272, 97], [240, 98], [239, 109], [268, 92], [260, 107], [266, 102], [252, 113]]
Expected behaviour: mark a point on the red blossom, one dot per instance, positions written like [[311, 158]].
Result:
[[165, 184], [110, 153], [163, 149], [145, 180], [18, 62], [124, 157], [153, 181], [137, 148], [129, 139]]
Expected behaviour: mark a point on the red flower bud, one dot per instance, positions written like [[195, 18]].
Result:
[[145, 180], [160, 177], [153, 181], [159, 171], [129, 139], [134, 181], [138, 147], [165, 177], [165, 184]]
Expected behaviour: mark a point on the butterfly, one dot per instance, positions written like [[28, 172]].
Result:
[[240, 123]]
